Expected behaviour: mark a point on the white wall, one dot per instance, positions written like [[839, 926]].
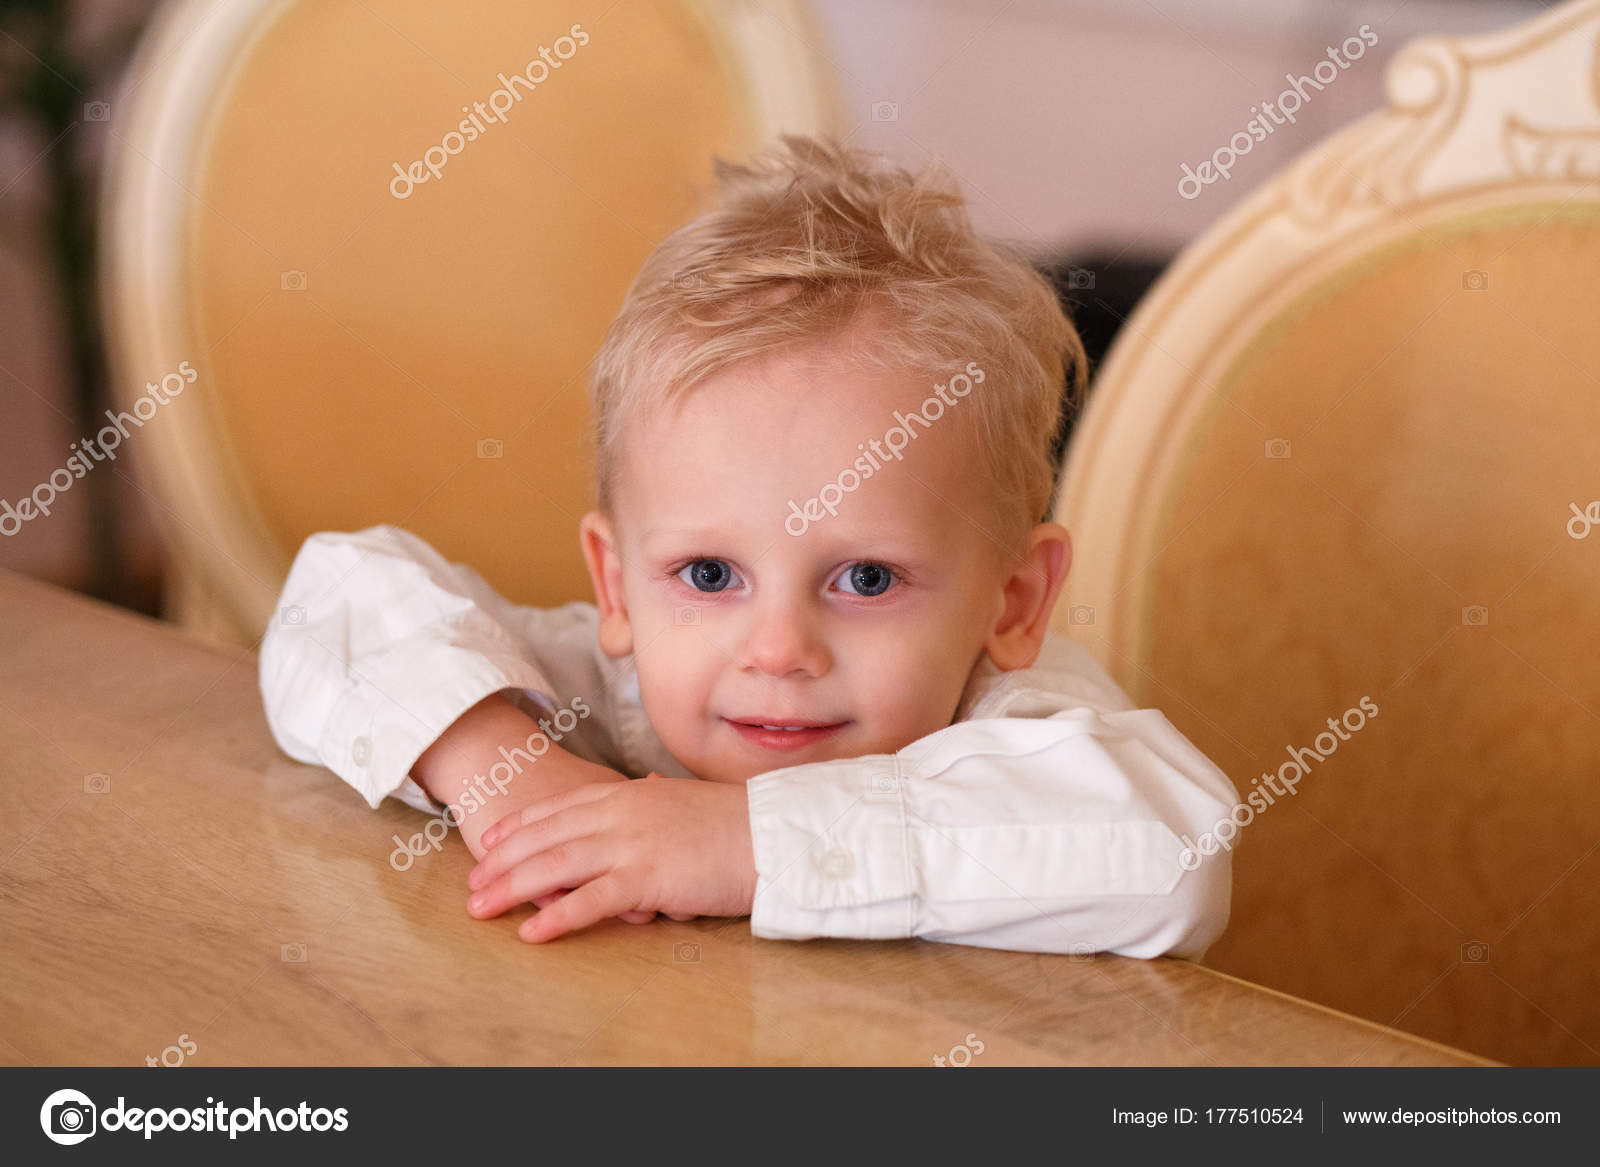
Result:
[[1067, 120]]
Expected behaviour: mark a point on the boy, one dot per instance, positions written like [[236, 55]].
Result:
[[823, 421]]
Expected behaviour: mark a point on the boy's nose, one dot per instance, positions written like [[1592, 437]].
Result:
[[781, 642]]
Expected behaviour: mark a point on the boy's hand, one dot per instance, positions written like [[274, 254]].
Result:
[[471, 746], [652, 845], [573, 774]]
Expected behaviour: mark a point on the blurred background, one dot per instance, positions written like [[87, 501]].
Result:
[[1067, 121]]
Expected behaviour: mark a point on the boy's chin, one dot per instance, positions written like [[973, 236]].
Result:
[[733, 771], [742, 770], [732, 779]]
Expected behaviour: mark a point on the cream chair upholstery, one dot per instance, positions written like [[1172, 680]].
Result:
[[369, 349], [1348, 449]]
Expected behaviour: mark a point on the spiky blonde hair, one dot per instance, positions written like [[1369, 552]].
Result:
[[831, 232]]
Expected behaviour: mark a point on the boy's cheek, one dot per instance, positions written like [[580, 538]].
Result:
[[915, 715]]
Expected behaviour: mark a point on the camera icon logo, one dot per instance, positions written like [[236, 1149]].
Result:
[[292, 281], [292, 953], [686, 953], [1080, 614], [1081, 951], [96, 784], [885, 111], [293, 614], [96, 111], [1080, 279], [686, 614], [491, 448], [1475, 616], [68, 1117], [1474, 952], [1475, 280], [686, 281], [1277, 447]]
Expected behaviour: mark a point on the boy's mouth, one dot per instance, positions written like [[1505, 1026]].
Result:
[[784, 733]]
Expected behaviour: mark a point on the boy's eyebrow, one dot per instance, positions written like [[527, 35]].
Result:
[[655, 540], [650, 534], [906, 546]]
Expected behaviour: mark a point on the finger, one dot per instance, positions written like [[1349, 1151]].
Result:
[[635, 917], [599, 900], [565, 865], [501, 826], [524, 843], [544, 807]]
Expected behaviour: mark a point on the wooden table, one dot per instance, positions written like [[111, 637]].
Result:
[[171, 885]]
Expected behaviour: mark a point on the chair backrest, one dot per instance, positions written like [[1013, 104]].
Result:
[[1332, 501], [387, 241]]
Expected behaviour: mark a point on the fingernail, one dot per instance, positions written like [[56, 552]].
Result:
[[477, 902], [473, 878]]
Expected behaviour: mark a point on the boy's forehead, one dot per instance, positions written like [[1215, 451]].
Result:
[[737, 447]]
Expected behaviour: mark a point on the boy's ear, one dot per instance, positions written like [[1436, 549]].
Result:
[[598, 539], [1028, 597]]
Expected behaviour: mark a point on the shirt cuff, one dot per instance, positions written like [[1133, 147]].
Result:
[[378, 730], [853, 878], [870, 848]]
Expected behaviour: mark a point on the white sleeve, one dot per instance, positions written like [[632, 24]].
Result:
[[377, 645], [1050, 834]]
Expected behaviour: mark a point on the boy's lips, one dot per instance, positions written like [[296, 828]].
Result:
[[784, 733]]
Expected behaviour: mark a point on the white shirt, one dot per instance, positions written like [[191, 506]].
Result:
[[1046, 818]]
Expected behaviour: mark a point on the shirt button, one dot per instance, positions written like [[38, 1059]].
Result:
[[361, 750], [837, 864]]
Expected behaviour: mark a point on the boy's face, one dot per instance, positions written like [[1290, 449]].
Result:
[[865, 626]]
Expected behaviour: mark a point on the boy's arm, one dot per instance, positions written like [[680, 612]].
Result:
[[378, 647], [471, 748], [1055, 834]]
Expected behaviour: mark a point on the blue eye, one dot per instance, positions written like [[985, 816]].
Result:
[[707, 575], [867, 579]]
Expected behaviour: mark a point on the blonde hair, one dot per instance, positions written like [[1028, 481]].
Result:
[[833, 231]]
